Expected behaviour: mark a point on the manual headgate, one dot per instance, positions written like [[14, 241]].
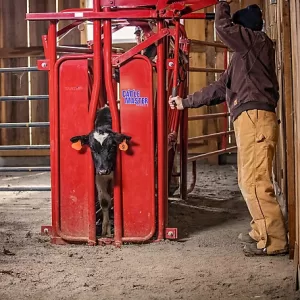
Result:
[[80, 83]]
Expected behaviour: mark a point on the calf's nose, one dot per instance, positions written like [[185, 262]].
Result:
[[103, 172]]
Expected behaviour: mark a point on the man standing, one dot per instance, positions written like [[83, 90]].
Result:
[[250, 87]]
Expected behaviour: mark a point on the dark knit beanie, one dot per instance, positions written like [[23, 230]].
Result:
[[249, 17]]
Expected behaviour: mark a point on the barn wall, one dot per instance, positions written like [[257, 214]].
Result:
[[295, 115], [13, 33], [278, 27], [14, 52]]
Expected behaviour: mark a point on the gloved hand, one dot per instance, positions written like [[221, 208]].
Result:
[[176, 102]]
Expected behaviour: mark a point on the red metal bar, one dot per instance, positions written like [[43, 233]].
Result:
[[205, 155], [183, 153], [208, 116], [161, 4], [97, 5], [116, 127], [209, 136], [135, 3], [198, 5], [126, 3], [134, 14], [176, 59], [68, 49], [53, 116], [68, 27], [119, 14], [97, 58], [184, 140], [161, 136], [225, 108], [45, 45], [136, 49]]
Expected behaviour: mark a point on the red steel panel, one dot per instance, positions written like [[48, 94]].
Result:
[[74, 166], [138, 173], [126, 3]]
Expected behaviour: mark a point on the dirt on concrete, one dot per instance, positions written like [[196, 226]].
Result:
[[207, 261]]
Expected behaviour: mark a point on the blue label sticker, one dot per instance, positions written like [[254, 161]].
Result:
[[134, 97]]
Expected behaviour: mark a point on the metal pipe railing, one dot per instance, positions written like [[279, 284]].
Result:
[[205, 43], [224, 114], [208, 116], [225, 108], [25, 147], [25, 188], [205, 155], [206, 70], [25, 169], [209, 136], [24, 125], [19, 69], [24, 98]]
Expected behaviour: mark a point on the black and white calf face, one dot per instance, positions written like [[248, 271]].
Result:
[[103, 142], [104, 146]]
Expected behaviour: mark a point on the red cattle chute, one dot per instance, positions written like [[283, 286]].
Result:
[[79, 84]]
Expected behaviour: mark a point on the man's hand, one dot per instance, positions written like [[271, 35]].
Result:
[[176, 102]]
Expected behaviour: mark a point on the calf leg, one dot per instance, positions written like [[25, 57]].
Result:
[[104, 198], [106, 228]]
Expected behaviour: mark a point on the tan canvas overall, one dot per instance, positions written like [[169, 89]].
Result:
[[256, 134]]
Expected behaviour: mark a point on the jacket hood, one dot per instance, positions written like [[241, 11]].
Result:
[[249, 17]]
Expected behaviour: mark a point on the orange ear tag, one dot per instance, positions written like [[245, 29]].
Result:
[[123, 146], [77, 146]]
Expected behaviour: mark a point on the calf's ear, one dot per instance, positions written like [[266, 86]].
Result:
[[84, 139], [120, 137]]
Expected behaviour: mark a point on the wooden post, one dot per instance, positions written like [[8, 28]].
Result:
[[289, 111]]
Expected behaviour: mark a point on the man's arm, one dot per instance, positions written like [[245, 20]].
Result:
[[236, 37], [213, 94]]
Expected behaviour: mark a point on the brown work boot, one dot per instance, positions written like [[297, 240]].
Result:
[[246, 238], [251, 250]]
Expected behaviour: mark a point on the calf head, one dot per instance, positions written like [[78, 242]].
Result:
[[103, 143]]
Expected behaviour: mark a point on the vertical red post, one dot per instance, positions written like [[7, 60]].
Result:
[[161, 136], [225, 122], [96, 5], [107, 51], [183, 153], [184, 146], [176, 58], [92, 114], [53, 116]]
